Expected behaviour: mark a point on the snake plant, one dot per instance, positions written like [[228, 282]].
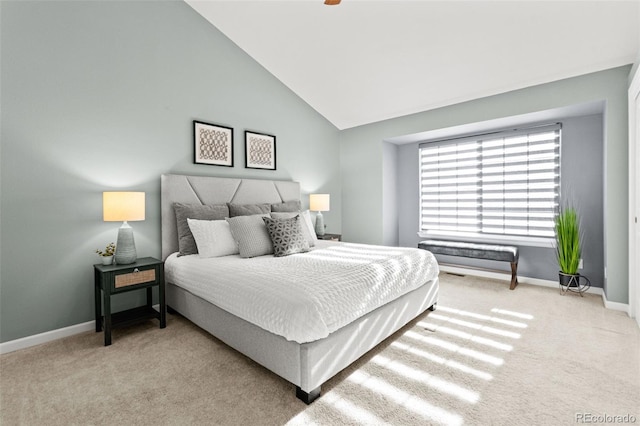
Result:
[[568, 250]]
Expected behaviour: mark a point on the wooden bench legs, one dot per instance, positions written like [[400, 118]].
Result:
[[514, 275], [493, 252]]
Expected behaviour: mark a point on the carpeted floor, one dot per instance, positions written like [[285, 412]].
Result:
[[487, 355]]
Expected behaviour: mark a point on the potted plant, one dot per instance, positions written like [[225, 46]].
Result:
[[107, 255], [568, 246]]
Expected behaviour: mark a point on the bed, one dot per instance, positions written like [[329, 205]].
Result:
[[303, 350]]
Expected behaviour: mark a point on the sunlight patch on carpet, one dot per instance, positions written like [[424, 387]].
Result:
[[432, 381], [440, 359], [443, 361], [452, 347], [406, 400], [512, 313], [302, 418], [482, 317], [466, 336], [351, 410], [475, 326]]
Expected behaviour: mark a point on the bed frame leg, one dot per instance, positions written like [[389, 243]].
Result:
[[171, 311], [307, 398]]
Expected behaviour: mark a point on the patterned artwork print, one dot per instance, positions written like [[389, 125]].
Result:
[[214, 145], [260, 150]]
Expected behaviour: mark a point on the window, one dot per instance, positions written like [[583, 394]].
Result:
[[505, 183]]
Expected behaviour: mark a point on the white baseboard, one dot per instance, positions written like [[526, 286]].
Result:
[[615, 306], [49, 336], [506, 276], [45, 337]]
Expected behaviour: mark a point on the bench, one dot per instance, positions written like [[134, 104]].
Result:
[[477, 251]]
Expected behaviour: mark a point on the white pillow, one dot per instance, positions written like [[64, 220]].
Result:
[[213, 237], [312, 229]]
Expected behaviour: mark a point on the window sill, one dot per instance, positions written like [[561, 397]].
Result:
[[484, 238]]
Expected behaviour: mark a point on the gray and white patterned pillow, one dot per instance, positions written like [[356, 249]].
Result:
[[286, 236], [305, 223], [251, 234]]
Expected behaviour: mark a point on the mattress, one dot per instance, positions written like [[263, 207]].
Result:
[[305, 297]]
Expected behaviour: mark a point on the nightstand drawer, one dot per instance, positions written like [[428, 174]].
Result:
[[135, 277]]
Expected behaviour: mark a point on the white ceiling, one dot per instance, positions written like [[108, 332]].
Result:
[[366, 61]]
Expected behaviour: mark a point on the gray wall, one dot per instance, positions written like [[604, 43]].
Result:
[[100, 96], [636, 63], [390, 186], [582, 180], [362, 158]]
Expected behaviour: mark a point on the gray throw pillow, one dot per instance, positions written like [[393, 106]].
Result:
[[307, 229], [248, 209], [287, 206], [286, 236], [186, 243], [251, 234]]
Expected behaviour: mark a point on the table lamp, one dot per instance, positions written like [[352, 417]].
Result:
[[124, 206], [319, 203]]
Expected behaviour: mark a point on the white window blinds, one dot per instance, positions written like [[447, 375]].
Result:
[[504, 183]]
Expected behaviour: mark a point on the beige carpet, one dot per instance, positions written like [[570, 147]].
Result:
[[486, 356]]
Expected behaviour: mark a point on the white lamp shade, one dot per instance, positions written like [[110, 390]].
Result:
[[123, 206], [319, 202]]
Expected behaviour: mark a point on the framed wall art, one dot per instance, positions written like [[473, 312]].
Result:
[[213, 144], [260, 151]]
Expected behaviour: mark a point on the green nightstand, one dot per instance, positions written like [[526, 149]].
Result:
[[145, 273]]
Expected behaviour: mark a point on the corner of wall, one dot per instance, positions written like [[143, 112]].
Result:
[[390, 230]]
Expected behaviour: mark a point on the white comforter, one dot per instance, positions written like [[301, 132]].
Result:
[[305, 297]]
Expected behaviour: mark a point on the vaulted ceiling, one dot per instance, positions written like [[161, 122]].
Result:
[[365, 61]]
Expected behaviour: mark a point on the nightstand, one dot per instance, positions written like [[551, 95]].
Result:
[[145, 273], [330, 237]]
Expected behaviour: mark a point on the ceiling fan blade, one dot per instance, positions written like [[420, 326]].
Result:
[[332, 2]]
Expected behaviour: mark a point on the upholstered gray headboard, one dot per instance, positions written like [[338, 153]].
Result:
[[215, 190]]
